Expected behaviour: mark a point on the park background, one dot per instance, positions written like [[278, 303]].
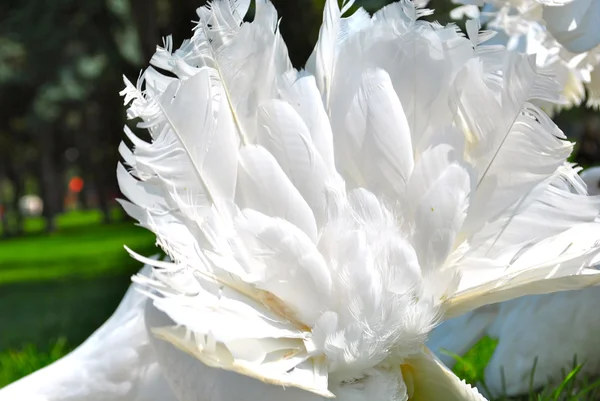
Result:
[[63, 269]]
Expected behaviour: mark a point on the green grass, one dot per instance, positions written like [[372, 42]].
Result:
[[83, 248], [16, 364], [574, 386], [75, 218], [471, 366], [55, 290]]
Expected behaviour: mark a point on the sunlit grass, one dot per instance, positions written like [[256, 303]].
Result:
[[74, 218], [16, 364], [82, 247], [574, 387]]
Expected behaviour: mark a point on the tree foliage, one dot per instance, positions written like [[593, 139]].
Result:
[[61, 64]]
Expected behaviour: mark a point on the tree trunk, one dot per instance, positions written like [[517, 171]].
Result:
[[18, 182], [4, 220], [84, 195], [144, 14], [49, 180], [103, 197], [93, 148], [3, 208]]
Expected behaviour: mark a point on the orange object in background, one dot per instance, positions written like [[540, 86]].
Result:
[[76, 184]]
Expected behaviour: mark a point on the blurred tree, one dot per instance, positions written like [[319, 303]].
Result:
[[144, 14], [61, 64], [60, 78]]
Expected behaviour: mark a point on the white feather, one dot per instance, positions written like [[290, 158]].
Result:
[[375, 151], [265, 187], [284, 134], [301, 92], [439, 191]]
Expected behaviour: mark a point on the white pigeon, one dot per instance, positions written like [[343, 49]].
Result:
[[554, 329], [321, 223], [564, 34], [116, 363]]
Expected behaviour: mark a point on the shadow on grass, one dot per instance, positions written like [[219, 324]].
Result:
[[42, 312], [42, 321], [55, 290]]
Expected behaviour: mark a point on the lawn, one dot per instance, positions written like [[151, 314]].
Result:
[[55, 290], [574, 386]]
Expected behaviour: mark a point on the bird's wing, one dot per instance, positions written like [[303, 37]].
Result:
[[460, 334], [116, 363], [192, 380]]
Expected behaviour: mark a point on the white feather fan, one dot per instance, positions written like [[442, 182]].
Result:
[[322, 222]]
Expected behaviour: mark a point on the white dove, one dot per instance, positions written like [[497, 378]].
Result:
[[321, 223], [554, 329]]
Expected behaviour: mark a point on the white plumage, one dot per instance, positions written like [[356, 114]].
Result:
[[563, 34], [320, 223], [554, 329], [385, 216]]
